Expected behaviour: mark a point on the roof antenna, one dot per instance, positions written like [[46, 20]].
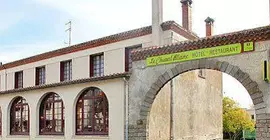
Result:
[[69, 32]]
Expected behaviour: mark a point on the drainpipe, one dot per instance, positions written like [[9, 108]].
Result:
[[126, 107], [5, 79], [172, 132]]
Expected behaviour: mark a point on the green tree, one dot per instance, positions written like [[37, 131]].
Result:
[[235, 119]]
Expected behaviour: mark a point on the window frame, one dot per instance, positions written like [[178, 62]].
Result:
[[128, 56], [39, 76], [62, 71], [100, 64], [43, 109], [82, 113], [16, 78], [13, 118]]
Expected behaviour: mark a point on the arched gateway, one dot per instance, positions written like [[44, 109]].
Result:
[[239, 54]]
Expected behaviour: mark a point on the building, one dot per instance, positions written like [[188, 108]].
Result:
[[251, 112], [193, 110], [80, 92]]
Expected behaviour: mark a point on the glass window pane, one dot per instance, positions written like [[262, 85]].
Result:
[[98, 65], [19, 116], [67, 70], [53, 120], [92, 112]]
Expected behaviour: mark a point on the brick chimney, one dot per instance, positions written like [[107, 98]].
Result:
[[209, 23], [187, 14]]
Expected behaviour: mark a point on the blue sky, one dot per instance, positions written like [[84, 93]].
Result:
[[29, 27], [28, 22]]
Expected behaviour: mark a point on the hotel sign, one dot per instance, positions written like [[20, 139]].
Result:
[[217, 51]]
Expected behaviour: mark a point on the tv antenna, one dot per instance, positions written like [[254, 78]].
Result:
[[69, 32]]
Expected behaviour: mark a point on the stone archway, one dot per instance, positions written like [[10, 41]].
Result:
[[139, 131]]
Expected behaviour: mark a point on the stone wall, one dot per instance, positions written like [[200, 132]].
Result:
[[159, 119], [145, 82], [196, 108]]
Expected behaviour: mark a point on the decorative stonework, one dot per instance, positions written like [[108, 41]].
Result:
[[139, 131]]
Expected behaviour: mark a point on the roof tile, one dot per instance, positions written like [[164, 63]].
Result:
[[85, 80], [256, 34], [102, 41]]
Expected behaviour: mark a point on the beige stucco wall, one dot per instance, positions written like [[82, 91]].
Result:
[[2, 80], [251, 111], [52, 73], [114, 61], [177, 38], [196, 108], [114, 90], [80, 67], [29, 79], [10, 81]]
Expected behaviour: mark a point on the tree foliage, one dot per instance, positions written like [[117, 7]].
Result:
[[235, 119]]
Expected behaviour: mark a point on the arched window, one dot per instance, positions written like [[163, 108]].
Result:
[[19, 117], [51, 120], [92, 114]]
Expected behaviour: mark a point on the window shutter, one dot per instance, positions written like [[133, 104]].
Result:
[[22, 79], [126, 59], [16, 80], [62, 71], [37, 76], [91, 67]]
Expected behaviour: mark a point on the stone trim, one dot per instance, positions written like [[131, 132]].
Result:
[[137, 132], [263, 118]]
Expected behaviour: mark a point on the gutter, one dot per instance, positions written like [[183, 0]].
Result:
[[77, 81]]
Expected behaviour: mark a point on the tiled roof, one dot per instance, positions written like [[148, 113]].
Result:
[[256, 34], [86, 80], [169, 25]]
